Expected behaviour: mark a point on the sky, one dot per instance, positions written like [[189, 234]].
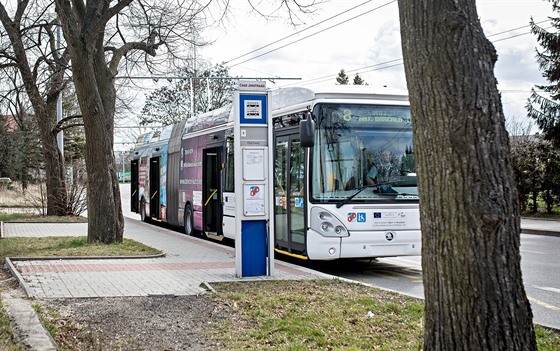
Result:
[[370, 45], [363, 37]]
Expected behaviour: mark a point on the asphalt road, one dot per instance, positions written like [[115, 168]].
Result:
[[539, 263]]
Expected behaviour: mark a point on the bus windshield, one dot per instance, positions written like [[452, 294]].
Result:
[[363, 153]]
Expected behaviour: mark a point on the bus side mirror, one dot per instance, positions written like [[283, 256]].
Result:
[[307, 131]]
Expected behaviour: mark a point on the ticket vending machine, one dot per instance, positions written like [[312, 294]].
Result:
[[254, 245]]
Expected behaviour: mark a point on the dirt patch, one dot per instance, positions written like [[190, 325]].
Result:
[[131, 323], [137, 323], [7, 281]]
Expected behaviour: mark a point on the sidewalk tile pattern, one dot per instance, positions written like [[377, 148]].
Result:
[[188, 263]]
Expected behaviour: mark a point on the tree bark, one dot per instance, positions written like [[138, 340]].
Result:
[[475, 299], [95, 88], [57, 195]]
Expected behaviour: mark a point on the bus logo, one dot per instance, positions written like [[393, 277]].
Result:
[[389, 236], [254, 190], [359, 217]]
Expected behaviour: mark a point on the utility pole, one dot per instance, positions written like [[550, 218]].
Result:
[[60, 135]]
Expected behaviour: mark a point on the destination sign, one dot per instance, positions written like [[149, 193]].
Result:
[[363, 114]]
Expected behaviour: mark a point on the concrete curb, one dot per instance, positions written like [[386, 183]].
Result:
[[56, 258], [25, 323], [540, 232], [18, 276]]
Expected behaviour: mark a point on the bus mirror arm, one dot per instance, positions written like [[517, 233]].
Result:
[[307, 131]]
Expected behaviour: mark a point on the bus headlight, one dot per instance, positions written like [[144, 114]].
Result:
[[325, 223]]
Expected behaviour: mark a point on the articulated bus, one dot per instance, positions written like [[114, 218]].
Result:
[[345, 189]]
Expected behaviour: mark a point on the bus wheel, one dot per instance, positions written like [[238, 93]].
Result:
[[143, 211], [189, 220]]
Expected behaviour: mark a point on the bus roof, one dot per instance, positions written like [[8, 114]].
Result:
[[210, 119], [284, 97]]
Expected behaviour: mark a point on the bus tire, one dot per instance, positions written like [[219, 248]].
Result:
[[143, 216], [189, 220]]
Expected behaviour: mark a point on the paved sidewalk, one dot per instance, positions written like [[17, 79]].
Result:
[[188, 262]]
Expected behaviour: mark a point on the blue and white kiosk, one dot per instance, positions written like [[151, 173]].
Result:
[[254, 246]]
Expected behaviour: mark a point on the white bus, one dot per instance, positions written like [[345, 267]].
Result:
[[344, 184]]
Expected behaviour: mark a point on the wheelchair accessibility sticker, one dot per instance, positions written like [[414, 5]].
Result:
[[359, 217]]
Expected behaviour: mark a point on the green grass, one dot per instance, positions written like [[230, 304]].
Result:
[[541, 209], [70, 246], [325, 315], [547, 340], [318, 315], [23, 217]]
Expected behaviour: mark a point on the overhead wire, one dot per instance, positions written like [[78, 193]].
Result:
[[299, 32], [358, 70], [313, 34], [363, 69]]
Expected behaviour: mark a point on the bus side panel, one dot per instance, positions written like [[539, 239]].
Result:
[[173, 161], [190, 188], [228, 220]]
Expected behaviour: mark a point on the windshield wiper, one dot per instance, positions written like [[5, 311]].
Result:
[[378, 185], [345, 201]]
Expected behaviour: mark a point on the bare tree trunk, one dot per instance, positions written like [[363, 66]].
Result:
[[95, 89], [57, 200], [475, 299]]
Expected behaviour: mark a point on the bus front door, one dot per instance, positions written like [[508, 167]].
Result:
[[212, 193], [154, 187], [289, 204]]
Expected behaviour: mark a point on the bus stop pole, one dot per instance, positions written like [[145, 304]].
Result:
[[254, 241]]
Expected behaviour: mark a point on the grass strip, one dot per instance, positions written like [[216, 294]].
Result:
[[326, 315], [25, 217], [71, 246]]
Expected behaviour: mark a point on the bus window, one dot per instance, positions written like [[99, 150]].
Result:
[[229, 169]]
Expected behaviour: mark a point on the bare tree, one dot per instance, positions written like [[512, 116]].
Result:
[[475, 299], [32, 52], [19, 144], [105, 37], [171, 104]]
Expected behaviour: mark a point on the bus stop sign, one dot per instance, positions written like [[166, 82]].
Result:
[[253, 244]]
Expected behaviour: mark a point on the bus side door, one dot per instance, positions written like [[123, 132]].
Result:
[[289, 204], [211, 191]]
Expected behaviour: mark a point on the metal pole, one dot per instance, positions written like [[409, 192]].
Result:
[[60, 135], [207, 95], [192, 97]]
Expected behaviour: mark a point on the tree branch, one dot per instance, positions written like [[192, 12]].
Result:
[[59, 127]]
